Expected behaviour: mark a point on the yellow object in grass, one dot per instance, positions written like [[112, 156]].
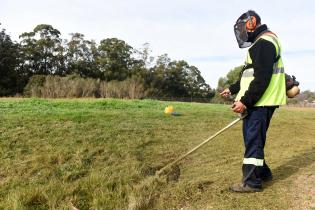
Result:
[[168, 110]]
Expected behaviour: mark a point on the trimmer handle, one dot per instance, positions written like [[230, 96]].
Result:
[[244, 114]]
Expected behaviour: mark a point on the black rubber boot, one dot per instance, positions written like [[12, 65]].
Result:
[[244, 188], [267, 179]]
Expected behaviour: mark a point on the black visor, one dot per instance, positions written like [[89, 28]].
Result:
[[241, 34]]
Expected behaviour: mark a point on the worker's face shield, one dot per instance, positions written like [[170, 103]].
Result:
[[241, 34]]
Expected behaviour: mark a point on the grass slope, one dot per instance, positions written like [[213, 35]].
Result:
[[92, 153]]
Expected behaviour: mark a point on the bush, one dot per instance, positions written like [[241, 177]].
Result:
[[129, 88], [34, 86], [74, 86]]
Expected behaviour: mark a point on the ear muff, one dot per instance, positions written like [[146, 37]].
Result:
[[251, 23]]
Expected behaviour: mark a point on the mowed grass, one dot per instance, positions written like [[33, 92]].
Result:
[[92, 152]]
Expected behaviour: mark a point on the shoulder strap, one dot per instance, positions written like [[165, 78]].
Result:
[[274, 37]]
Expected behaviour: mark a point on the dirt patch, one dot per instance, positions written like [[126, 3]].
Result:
[[304, 192]]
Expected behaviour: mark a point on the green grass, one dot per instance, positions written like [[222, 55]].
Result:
[[93, 152]]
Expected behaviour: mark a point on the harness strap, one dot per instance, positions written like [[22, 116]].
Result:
[[249, 66]]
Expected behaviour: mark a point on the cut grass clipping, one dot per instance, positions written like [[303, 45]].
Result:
[[144, 193]]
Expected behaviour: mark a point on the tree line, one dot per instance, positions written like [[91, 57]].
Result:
[[43, 52]]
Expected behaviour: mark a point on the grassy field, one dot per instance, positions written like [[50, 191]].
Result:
[[92, 153]]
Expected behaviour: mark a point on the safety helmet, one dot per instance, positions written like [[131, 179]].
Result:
[[246, 22]]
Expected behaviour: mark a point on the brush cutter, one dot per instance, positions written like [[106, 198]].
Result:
[[170, 165]]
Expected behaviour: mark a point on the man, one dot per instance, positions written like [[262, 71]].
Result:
[[260, 90]]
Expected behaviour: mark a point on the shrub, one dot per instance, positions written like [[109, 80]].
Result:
[[74, 86], [34, 86], [129, 88]]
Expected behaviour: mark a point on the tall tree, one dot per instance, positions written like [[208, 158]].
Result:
[[195, 83], [156, 76], [142, 62], [8, 65], [114, 59], [42, 50], [177, 79], [81, 56]]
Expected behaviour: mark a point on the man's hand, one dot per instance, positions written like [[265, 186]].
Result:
[[238, 107], [225, 93]]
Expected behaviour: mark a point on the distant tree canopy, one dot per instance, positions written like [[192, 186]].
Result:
[[80, 56], [9, 53], [306, 96], [231, 77], [43, 52], [224, 82], [171, 78]]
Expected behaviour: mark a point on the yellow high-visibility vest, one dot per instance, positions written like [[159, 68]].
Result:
[[275, 94]]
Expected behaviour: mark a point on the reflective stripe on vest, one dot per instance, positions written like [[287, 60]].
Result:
[[253, 161], [275, 94]]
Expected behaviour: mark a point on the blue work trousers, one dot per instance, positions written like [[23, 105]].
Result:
[[255, 127]]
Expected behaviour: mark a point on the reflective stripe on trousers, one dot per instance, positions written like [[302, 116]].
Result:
[[254, 161]]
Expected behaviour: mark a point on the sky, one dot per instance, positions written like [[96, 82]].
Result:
[[198, 31]]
